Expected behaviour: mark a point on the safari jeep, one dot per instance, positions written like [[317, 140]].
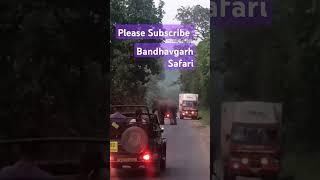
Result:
[[136, 139]]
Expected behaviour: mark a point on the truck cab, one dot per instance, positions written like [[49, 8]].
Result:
[[254, 151], [188, 106]]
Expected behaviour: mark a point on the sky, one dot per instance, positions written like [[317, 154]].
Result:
[[170, 8]]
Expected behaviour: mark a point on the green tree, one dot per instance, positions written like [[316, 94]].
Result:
[[197, 81], [129, 75], [198, 16]]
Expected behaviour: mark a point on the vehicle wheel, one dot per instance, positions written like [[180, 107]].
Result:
[[175, 121], [156, 170], [163, 165], [181, 117]]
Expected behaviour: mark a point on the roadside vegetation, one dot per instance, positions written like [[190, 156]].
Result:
[[204, 113], [197, 81], [302, 166], [130, 77]]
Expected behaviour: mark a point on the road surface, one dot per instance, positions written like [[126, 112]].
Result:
[[188, 155]]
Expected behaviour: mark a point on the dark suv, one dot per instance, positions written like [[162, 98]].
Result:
[[136, 139]]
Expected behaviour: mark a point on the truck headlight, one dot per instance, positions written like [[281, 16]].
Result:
[[264, 161], [244, 160]]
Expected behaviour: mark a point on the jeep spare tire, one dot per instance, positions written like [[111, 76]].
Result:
[[134, 139]]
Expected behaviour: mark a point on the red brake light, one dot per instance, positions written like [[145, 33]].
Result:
[[146, 157]]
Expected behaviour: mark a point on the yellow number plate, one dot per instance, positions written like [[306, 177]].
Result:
[[113, 146]]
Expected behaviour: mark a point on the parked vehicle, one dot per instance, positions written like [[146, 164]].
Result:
[[136, 139], [250, 139], [188, 106]]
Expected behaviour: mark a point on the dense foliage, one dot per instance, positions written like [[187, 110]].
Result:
[[129, 75], [198, 16], [197, 81]]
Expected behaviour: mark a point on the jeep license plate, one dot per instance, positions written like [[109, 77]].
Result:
[[127, 159], [113, 146]]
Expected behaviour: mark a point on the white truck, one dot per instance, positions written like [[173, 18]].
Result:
[[250, 139], [188, 105]]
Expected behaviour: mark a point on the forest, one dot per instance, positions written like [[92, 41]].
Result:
[[54, 70]]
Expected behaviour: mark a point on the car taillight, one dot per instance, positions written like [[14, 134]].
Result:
[[146, 157], [168, 115], [192, 112]]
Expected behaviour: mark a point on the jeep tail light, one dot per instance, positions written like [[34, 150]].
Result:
[[146, 157]]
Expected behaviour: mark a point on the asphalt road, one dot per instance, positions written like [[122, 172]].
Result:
[[188, 156]]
